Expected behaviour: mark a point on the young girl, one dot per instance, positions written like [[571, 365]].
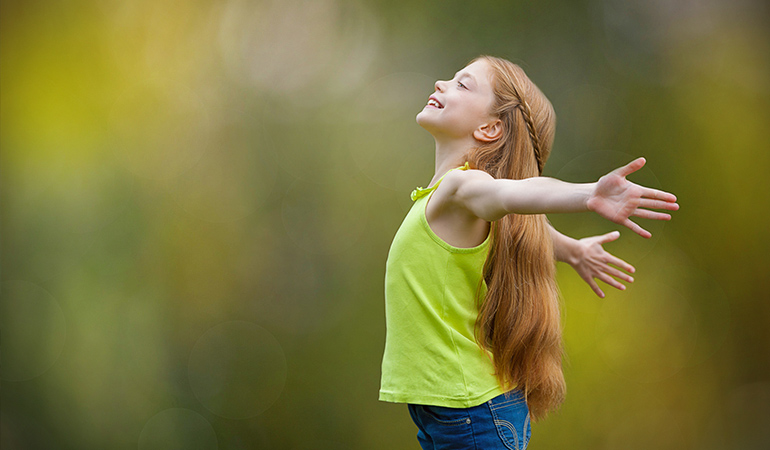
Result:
[[473, 333]]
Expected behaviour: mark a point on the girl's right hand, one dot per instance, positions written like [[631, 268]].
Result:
[[617, 199], [590, 260]]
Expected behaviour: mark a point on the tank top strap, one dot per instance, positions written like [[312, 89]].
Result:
[[420, 192]]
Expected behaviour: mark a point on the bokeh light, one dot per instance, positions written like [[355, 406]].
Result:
[[177, 428], [158, 131], [197, 200], [30, 317], [383, 140], [651, 324], [237, 369]]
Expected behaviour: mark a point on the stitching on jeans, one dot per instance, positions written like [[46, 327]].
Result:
[[500, 434], [524, 432], [509, 403], [453, 423], [514, 398], [510, 426]]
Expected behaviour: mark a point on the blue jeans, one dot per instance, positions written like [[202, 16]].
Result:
[[501, 423]]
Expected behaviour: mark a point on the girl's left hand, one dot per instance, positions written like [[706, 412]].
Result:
[[617, 199], [591, 261]]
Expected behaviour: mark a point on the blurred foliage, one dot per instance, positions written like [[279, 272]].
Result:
[[198, 198]]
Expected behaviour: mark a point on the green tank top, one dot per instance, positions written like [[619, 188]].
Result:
[[431, 356]]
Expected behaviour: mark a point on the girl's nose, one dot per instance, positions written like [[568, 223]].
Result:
[[439, 85]]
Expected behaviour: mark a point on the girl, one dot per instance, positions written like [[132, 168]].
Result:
[[473, 335]]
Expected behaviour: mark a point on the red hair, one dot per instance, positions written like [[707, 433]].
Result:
[[519, 318]]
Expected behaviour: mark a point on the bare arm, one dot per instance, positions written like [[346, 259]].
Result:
[[564, 247], [613, 197], [491, 199]]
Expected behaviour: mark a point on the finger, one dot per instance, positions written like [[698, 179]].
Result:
[[646, 214], [657, 204], [620, 263], [595, 288], [609, 237], [631, 167], [611, 281], [618, 274], [658, 195], [637, 229]]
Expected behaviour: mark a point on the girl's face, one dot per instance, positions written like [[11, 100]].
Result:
[[461, 105]]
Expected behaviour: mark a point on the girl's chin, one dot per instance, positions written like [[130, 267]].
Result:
[[423, 122], [429, 123], [424, 118]]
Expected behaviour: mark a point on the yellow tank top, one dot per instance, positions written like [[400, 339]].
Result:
[[431, 356]]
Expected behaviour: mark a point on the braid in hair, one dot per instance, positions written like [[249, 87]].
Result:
[[526, 112]]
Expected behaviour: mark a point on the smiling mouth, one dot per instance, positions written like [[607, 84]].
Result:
[[434, 103]]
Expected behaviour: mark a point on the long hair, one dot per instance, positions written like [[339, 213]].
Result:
[[519, 321]]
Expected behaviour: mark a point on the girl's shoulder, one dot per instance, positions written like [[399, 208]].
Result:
[[456, 179], [456, 188]]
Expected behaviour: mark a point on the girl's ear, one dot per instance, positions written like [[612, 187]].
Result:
[[490, 131]]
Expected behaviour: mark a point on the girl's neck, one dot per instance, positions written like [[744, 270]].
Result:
[[450, 153]]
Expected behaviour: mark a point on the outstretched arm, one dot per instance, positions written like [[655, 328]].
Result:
[[590, 260], [613, 197]]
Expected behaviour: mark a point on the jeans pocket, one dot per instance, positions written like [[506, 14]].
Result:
[[511, 417], [447, 416], [446, 428]]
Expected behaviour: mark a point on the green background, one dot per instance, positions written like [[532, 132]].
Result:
[[198, 199]]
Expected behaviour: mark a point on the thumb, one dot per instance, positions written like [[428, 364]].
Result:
[[631, 167], [609, 237]]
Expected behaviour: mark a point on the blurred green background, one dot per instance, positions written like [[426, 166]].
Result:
[[198, 199]]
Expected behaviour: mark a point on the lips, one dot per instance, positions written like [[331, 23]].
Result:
[[433, 102]]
